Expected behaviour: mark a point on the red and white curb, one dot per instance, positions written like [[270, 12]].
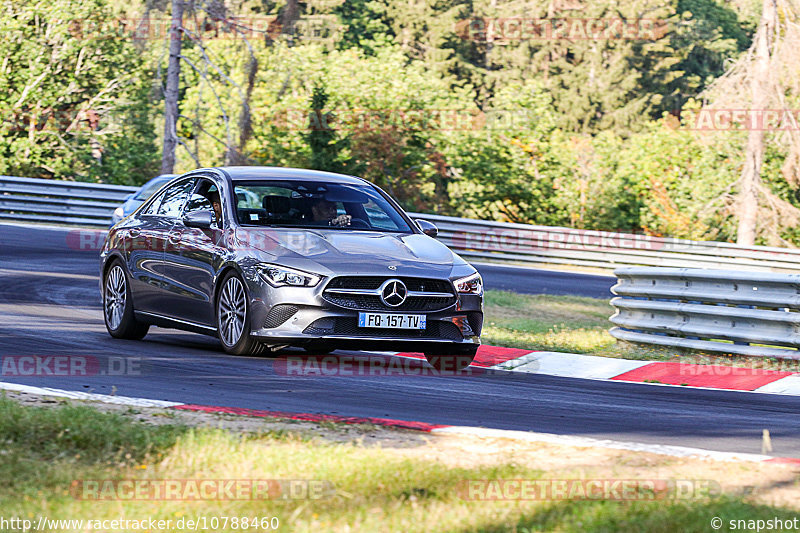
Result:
[[88, 396], [545, 363], [437, 429], [572, 365]]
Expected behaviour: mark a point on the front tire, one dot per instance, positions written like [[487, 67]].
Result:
[[118, 305], [233, 318], [451, 359]]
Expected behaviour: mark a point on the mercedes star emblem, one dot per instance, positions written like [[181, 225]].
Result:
[[393, 292]]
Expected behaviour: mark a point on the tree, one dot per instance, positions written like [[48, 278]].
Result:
[[75, 101], [763, 79], [326, 148], [171, 111], [754, 153]]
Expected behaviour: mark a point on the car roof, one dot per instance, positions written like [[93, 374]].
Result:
[[162, 177], [273, 173]]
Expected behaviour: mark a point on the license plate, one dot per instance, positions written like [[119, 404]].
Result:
[[386, 321]]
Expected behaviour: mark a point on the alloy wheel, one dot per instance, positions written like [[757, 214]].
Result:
[[232, 311], [115, 296]]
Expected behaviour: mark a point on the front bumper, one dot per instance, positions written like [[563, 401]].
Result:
[[299, 315]]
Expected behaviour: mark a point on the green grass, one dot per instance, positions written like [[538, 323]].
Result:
[[544, 322], [576, 324], [44, 449]]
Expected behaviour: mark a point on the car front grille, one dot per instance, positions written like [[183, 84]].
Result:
[[425, 295], [373, 282], [348, 326]]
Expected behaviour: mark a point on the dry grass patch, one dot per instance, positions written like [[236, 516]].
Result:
[[414, 487]]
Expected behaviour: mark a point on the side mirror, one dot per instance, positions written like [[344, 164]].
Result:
[[427, 228], [199, 219]]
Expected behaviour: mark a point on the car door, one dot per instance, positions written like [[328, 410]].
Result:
[[146, 242], [192, 258], [144, 255]]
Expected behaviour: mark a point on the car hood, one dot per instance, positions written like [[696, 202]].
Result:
[[330, 252]]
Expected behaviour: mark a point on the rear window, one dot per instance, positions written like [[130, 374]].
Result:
[[150, 189]]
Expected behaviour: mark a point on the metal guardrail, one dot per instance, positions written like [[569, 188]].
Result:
[[91, 204], [536, 245], [64, 202], [726, 311]]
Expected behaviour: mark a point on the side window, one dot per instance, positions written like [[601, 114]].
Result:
[[206, 197], [152, 209], [198, 202], [174, 197]]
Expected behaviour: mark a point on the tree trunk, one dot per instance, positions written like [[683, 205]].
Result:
[[492, 18], [171, 93], [754, 156], [289, 17], [235, 156]]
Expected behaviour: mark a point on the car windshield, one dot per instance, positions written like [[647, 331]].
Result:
[[149, 189], [316, 204]]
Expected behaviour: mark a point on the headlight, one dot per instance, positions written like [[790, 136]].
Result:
[[119, 213], [279, 276], [470, 285]]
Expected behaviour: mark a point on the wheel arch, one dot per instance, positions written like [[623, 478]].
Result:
[[221, 274], [110, 259], [107, 262]]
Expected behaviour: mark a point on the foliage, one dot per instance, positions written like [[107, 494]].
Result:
[[446, 118], [75, 99]]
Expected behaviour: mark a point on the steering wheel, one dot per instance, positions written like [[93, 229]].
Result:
[[359, 223]]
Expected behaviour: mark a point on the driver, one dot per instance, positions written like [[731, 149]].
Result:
[[323, 211], [213, 197]]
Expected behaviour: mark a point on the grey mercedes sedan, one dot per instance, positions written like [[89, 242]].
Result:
[[265, 258]]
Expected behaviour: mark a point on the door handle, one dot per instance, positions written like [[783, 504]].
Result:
[[174, 238], [134, 233]]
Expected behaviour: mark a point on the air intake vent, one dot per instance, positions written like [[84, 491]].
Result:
[[348, 326], [279, 314]]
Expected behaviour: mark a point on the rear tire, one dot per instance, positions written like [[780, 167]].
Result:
[[453, 358], [118, 313], [233, 318]]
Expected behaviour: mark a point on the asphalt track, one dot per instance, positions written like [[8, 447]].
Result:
[[539, 281], [49, 305]]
